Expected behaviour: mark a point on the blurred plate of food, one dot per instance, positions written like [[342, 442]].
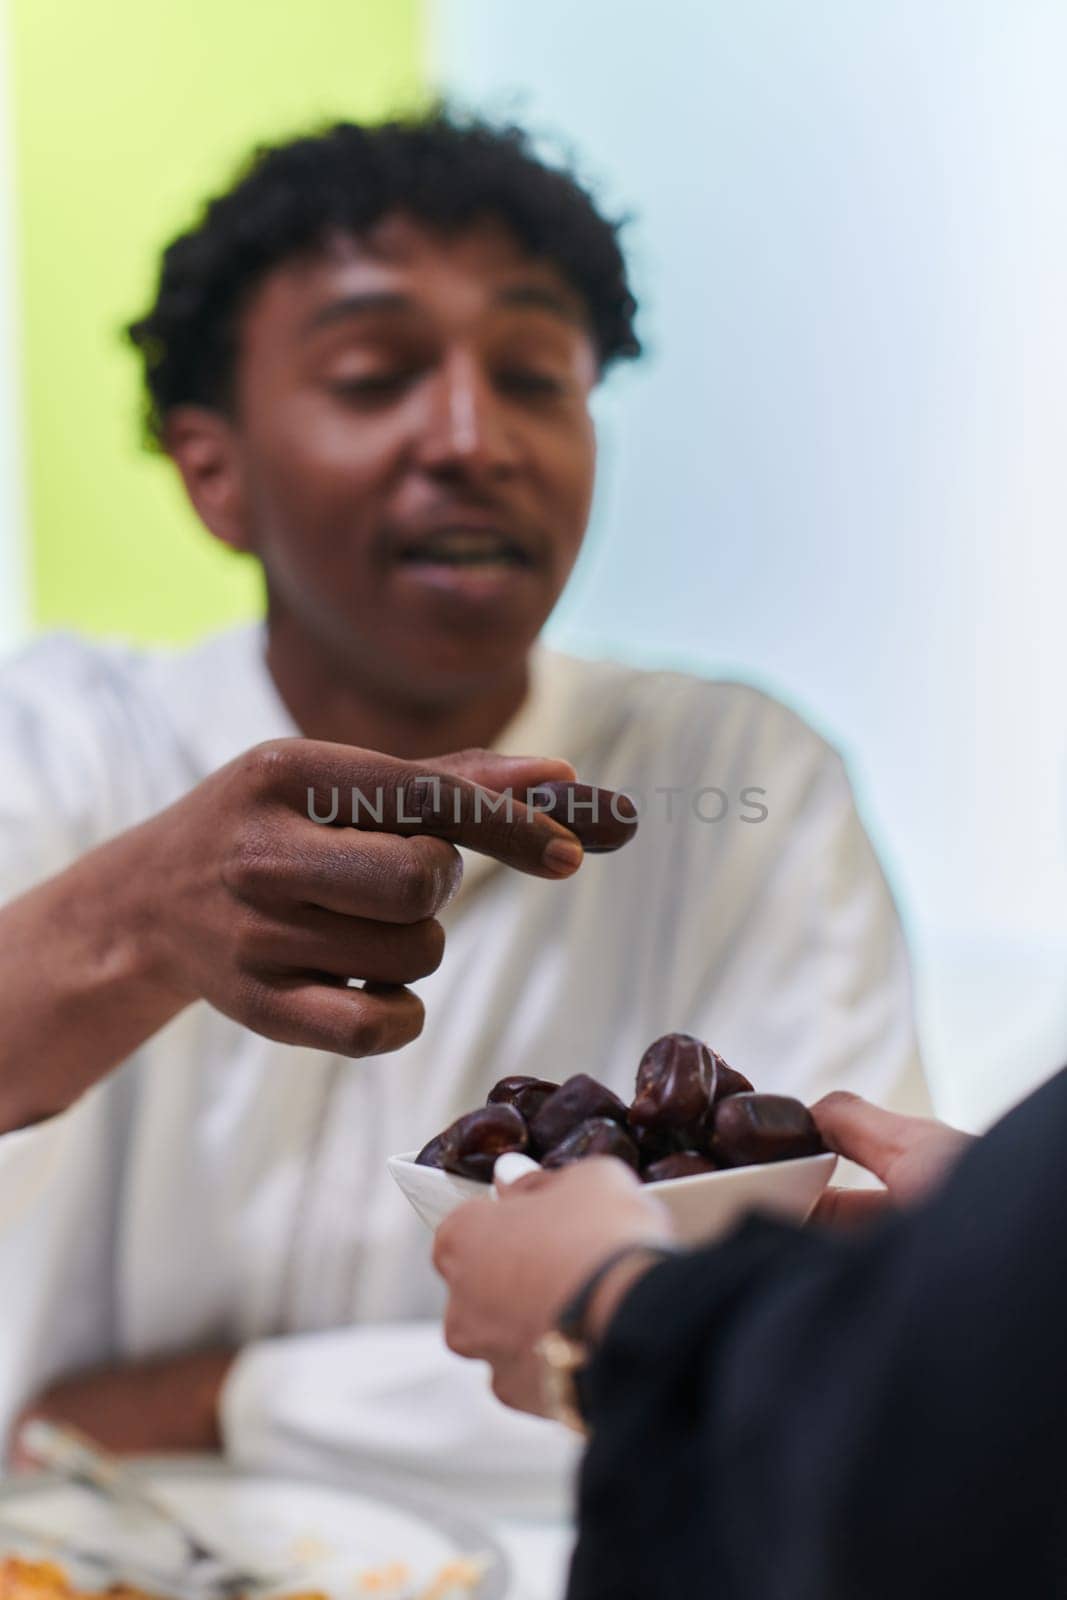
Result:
[[333, 1542]]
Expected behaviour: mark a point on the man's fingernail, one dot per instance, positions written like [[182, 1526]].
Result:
[[563, 856]]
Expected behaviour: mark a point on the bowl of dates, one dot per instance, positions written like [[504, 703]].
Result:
[[696, 1128]]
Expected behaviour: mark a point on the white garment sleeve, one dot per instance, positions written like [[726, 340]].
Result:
[[30, 1161], [58, 1179], [392, 1401], [58, 1192]]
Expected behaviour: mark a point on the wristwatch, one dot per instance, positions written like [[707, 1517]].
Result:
[[566, 1350]]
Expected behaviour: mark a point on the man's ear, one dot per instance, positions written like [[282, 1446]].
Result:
[[204, 448]]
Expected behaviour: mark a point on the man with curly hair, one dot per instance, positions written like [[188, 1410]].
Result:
[[371, 361]]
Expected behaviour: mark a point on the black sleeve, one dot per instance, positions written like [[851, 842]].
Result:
[[805, 1416]]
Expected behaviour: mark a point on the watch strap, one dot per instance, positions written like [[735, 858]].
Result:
[[571, 1320]]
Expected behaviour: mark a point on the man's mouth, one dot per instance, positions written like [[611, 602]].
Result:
[[464, 547]]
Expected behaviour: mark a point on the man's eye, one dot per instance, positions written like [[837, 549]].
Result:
[[528, 381], [373, 385]]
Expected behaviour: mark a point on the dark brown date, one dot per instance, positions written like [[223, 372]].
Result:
[[675, 1084], [653, 1144], [683, 1164], [527, 1095], [692, 1112], [575, 1101], [597, 1137], [603, 819], [750, 1128], [472, 1144], [432, 1154], [729, 1081]]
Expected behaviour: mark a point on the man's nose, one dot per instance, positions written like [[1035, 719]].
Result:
[[465, 427]]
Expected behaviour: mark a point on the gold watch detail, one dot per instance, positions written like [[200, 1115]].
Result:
[[561, 1360]]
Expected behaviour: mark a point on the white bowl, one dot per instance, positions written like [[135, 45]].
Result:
[[702, 1207]]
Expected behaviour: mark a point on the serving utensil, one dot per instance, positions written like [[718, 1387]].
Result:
[[205, 1573], [116, 1567]]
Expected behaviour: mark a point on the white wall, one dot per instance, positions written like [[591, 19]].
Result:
[[12, 585], [843, 470]]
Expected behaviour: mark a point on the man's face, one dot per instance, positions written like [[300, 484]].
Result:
[[416, 451]]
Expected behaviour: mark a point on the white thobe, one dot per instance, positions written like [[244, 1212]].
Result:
[[219, 1187]]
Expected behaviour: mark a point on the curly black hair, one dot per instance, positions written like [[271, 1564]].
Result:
[[444, 170]]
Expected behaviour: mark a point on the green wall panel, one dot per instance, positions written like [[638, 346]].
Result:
[[127, 113]]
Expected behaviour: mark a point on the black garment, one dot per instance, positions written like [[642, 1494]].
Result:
[[807, 1416]]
